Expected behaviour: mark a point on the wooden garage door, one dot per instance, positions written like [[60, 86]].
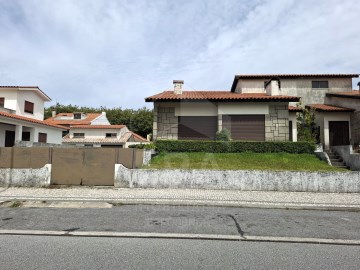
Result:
[[245, 127], [197, 127], [339, 133]]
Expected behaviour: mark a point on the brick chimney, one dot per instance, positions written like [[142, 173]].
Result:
[[178, 84]]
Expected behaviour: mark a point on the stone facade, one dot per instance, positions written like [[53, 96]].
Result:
[[165, 123], [277, 123]]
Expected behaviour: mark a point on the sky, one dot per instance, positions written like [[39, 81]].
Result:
[[114, 53]]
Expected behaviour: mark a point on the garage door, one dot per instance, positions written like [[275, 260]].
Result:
[[197, 127], [245, 127]]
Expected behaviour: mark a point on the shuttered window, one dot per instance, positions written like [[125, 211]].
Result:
[[2, 101], [42, 137], [320, 84], [29, 107], [79, 135], [197, 127], [245, 127]]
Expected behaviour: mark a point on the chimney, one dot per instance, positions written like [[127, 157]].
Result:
[[178, 84], [53, 113], [273, 87]]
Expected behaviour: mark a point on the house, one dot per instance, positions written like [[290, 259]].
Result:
[[257, 108], [102, 136], [94, 130], [22, 117]]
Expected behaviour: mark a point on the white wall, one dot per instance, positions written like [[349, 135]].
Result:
[[54, 135], [10, 96], [31, 97], [101, 120], [292, 117], [196, 109], [243, 108], [95, 133]]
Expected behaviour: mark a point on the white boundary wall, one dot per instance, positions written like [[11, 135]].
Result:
[[26, 177], [329, 182]]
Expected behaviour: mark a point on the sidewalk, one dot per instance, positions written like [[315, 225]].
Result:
[[201, 197]]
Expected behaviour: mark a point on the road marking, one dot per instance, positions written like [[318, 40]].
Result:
[[183, 236]]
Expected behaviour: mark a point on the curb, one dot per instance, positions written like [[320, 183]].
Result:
[[194, 202], [184, 236]]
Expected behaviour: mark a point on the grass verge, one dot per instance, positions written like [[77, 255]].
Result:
[[241, 161]]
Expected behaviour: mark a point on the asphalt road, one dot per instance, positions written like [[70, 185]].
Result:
[[187, 219], [42, 252]]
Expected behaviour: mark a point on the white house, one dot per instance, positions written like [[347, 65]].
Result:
[[102, 136], [22, 117]]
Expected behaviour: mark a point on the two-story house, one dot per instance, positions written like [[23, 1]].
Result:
[[94, 130], [257, 108], [22, 117]]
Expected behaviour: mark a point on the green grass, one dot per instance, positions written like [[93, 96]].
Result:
[[240, 161]]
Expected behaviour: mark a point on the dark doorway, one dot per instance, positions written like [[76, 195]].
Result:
[[290, 131], [26, 136], [339, 133], [9, 138]]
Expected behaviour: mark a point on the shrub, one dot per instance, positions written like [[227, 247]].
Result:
[[146, 146], [234, 146], [223, 135]]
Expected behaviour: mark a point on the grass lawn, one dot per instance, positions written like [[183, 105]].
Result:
[[240, 161]]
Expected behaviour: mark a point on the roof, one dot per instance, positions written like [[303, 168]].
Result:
[[288, 76], [329, 108], [295, 109], [97, 127], [217, 96], [27, 119], [32, 88], [139, 137], [87, 121], [122, 140], [352, 94]]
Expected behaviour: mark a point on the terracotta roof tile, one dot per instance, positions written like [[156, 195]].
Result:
[[350, 94], [216, 96], [97, 126], [336, 75], [139, 137], [27, 119], [295, 109], [87, 121], [329, 108]]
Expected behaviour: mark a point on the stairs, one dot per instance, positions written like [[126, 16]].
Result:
[[336, 160]]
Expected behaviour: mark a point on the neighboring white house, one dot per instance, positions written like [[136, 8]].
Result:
[[102, 136], [22, 117], [78, 118]]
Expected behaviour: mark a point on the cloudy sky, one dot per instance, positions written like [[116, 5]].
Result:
[[116, 52]]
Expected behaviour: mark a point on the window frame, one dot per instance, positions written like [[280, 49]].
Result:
[[42, 137], [26, 107], [112, 135], [2, 102], [77, 116], [78, 135], [318, 84]]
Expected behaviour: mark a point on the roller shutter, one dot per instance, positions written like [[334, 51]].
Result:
[[197, 127], [245, 127]]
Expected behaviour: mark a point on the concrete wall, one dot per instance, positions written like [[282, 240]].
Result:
[[96, 133], [26, 177], [350, 158], [333, 182]]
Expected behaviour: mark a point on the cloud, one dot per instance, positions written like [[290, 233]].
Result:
[[115, 53]]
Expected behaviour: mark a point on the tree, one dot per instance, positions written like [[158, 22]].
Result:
[[307, 129]]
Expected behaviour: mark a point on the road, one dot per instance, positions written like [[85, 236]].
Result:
[[189, 220], [49, 252]]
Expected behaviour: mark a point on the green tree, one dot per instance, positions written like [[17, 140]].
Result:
[[306, 127]]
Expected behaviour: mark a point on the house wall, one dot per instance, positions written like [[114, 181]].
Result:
[[165, 122], [293, 118], [101, 120], [95, 133], [298, 87], [277, 123], [10, 98], [31, 97], [54, 135], [3, 128]]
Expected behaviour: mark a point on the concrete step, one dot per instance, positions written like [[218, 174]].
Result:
[[337, 164]]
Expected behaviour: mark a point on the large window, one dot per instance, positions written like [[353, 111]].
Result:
[[79, 135], [29, 107], [42, 137], [320, 84], [2, 102]]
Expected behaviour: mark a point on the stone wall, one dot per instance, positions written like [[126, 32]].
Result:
[[286, 181], [277, 123], [166, 123]]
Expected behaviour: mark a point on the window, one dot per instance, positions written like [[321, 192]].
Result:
[[320, 84], [79, 135], [25, 136], [29, 107], [42, 137], [111, 135], [77, 115], [2, 102]]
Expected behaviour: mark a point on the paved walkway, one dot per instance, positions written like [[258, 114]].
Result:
[[294, 200]]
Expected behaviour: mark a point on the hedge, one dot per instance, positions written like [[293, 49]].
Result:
[[234, 146]]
